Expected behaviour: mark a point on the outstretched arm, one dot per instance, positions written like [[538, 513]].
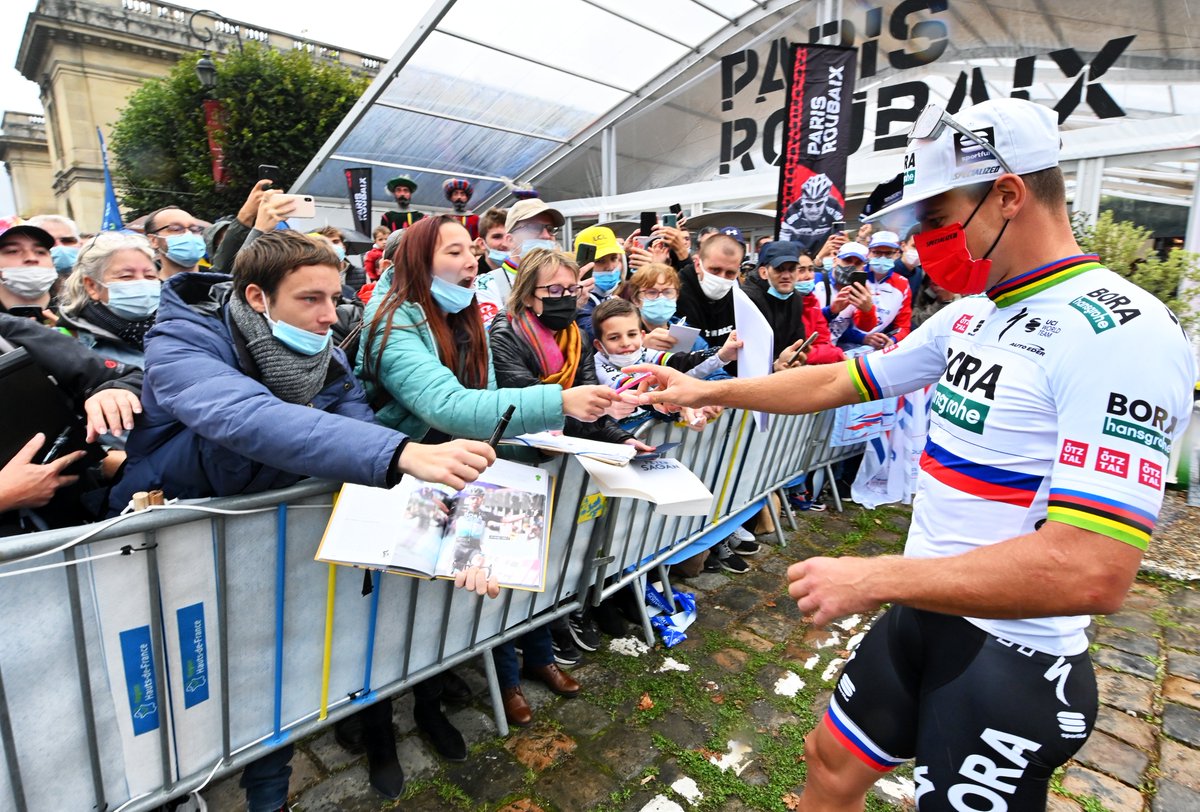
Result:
[[793, 391]]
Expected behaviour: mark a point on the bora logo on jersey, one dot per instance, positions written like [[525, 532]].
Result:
[[966, 378], [1152, 426]]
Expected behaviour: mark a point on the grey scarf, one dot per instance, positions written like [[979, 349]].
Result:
[[291, 376]]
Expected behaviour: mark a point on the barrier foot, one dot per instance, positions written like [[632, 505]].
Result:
[[781, 539], [787, 509], [493, 683], [647, 629], [837, 499], [668, 593]]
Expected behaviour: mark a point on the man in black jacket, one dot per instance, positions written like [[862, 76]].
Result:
[[706, 288]]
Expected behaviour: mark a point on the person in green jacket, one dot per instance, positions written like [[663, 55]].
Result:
[[425, 361]]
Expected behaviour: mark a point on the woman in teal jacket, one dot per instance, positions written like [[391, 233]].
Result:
[[425, 360]]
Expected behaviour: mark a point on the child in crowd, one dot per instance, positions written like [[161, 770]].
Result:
[[371, 258], [619, 344]]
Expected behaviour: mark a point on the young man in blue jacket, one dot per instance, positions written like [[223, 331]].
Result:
[[244, 392]]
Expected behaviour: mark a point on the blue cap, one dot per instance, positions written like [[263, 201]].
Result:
[[735, 232], [777, 253]]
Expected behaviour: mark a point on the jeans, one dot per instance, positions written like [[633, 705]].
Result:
[[537, 651], [266, 780]]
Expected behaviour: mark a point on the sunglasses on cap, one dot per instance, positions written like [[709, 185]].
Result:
[[934, 119]]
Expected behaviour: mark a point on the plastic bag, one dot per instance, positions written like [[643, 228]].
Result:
[[671, 627]]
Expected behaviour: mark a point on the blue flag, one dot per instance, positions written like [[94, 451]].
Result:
[[112, 213]]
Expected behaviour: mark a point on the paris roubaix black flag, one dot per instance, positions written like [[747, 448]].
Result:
[[358, 182], [816, 144]]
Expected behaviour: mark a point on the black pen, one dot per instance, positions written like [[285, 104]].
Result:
[[502, 425]]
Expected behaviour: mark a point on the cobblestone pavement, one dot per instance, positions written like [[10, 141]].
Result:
[[717, 722]]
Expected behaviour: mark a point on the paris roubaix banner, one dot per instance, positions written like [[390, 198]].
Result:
[[816, 143], [358, 184]]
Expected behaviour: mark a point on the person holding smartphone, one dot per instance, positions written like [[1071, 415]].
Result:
[[852, 304], [26, 269], [782, 289], [607, 269]]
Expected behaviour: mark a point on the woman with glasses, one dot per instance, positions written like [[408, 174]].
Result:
[[538, 342], [654, 289], [177, 239], [111, 297]]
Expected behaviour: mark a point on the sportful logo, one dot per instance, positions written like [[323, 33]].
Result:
[[959, 409]]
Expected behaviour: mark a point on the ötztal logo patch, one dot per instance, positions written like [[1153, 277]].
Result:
[[1150, 474], [1112, 462], [962, 324], [1073, 453]]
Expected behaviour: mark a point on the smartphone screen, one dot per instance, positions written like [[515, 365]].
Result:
[[585, 253], [670, 220], [271, 172], [858, 277], [648, 222], [676, 209]]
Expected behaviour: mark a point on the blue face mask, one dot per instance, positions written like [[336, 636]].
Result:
[[658, 311], [881, 265], [607, 280], [134, 300], [827, 263], [805, 288], [64, 258], [497, 256], [451, 298], [784, 296], [292, 337], [185, 250], [529, 245], [340, 250]]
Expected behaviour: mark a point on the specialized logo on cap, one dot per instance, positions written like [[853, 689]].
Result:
[[972, 158]]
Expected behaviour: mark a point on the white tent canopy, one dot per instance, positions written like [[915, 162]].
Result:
[[616, 107]]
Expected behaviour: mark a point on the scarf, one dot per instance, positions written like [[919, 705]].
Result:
[[291, 376], [568, 341], [132, 333]]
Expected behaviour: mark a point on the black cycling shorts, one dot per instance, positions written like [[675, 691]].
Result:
[[987, 720]]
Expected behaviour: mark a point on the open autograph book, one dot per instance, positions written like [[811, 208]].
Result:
[[498, 522]]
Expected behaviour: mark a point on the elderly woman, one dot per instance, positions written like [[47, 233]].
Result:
[[112, 296]]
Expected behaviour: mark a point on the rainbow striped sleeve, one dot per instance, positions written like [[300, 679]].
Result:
[[863, 379], [1102, 515]]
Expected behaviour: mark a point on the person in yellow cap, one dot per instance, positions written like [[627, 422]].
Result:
[[402, 188], [607, 271]]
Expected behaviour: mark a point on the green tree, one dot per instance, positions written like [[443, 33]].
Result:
[[1125, 248], [279, 109]]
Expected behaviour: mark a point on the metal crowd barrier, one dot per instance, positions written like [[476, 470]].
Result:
[[162, 650]]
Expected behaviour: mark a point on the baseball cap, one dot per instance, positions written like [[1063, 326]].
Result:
[[735, 232], [1024, 134], [853, 249], [603, 238], [885, 239], [779, 252], [531, 208], [15, 225]]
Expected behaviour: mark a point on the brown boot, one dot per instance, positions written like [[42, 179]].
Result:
[[554, 678], [516, 709]]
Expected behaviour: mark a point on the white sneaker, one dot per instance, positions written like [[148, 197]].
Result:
[[742, 534]]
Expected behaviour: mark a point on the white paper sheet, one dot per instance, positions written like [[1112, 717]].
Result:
[[685, 337], [755, 357], [664, 481]]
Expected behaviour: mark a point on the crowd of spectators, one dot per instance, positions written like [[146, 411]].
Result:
[[195, 355]]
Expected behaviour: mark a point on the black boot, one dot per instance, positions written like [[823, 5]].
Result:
[[379, 740], [348, 732], [445, 737]]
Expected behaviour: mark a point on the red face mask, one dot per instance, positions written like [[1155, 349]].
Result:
[[945, 257]]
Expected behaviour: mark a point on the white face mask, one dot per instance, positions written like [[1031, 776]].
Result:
[[622, 360], [911, 259], [29, 282], [715, 287]]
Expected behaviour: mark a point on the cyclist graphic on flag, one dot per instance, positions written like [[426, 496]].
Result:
[[809, 219]]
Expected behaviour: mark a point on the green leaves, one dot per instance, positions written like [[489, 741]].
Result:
[[279, 109]]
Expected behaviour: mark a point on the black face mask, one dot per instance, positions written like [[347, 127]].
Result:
[[558, 312]]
